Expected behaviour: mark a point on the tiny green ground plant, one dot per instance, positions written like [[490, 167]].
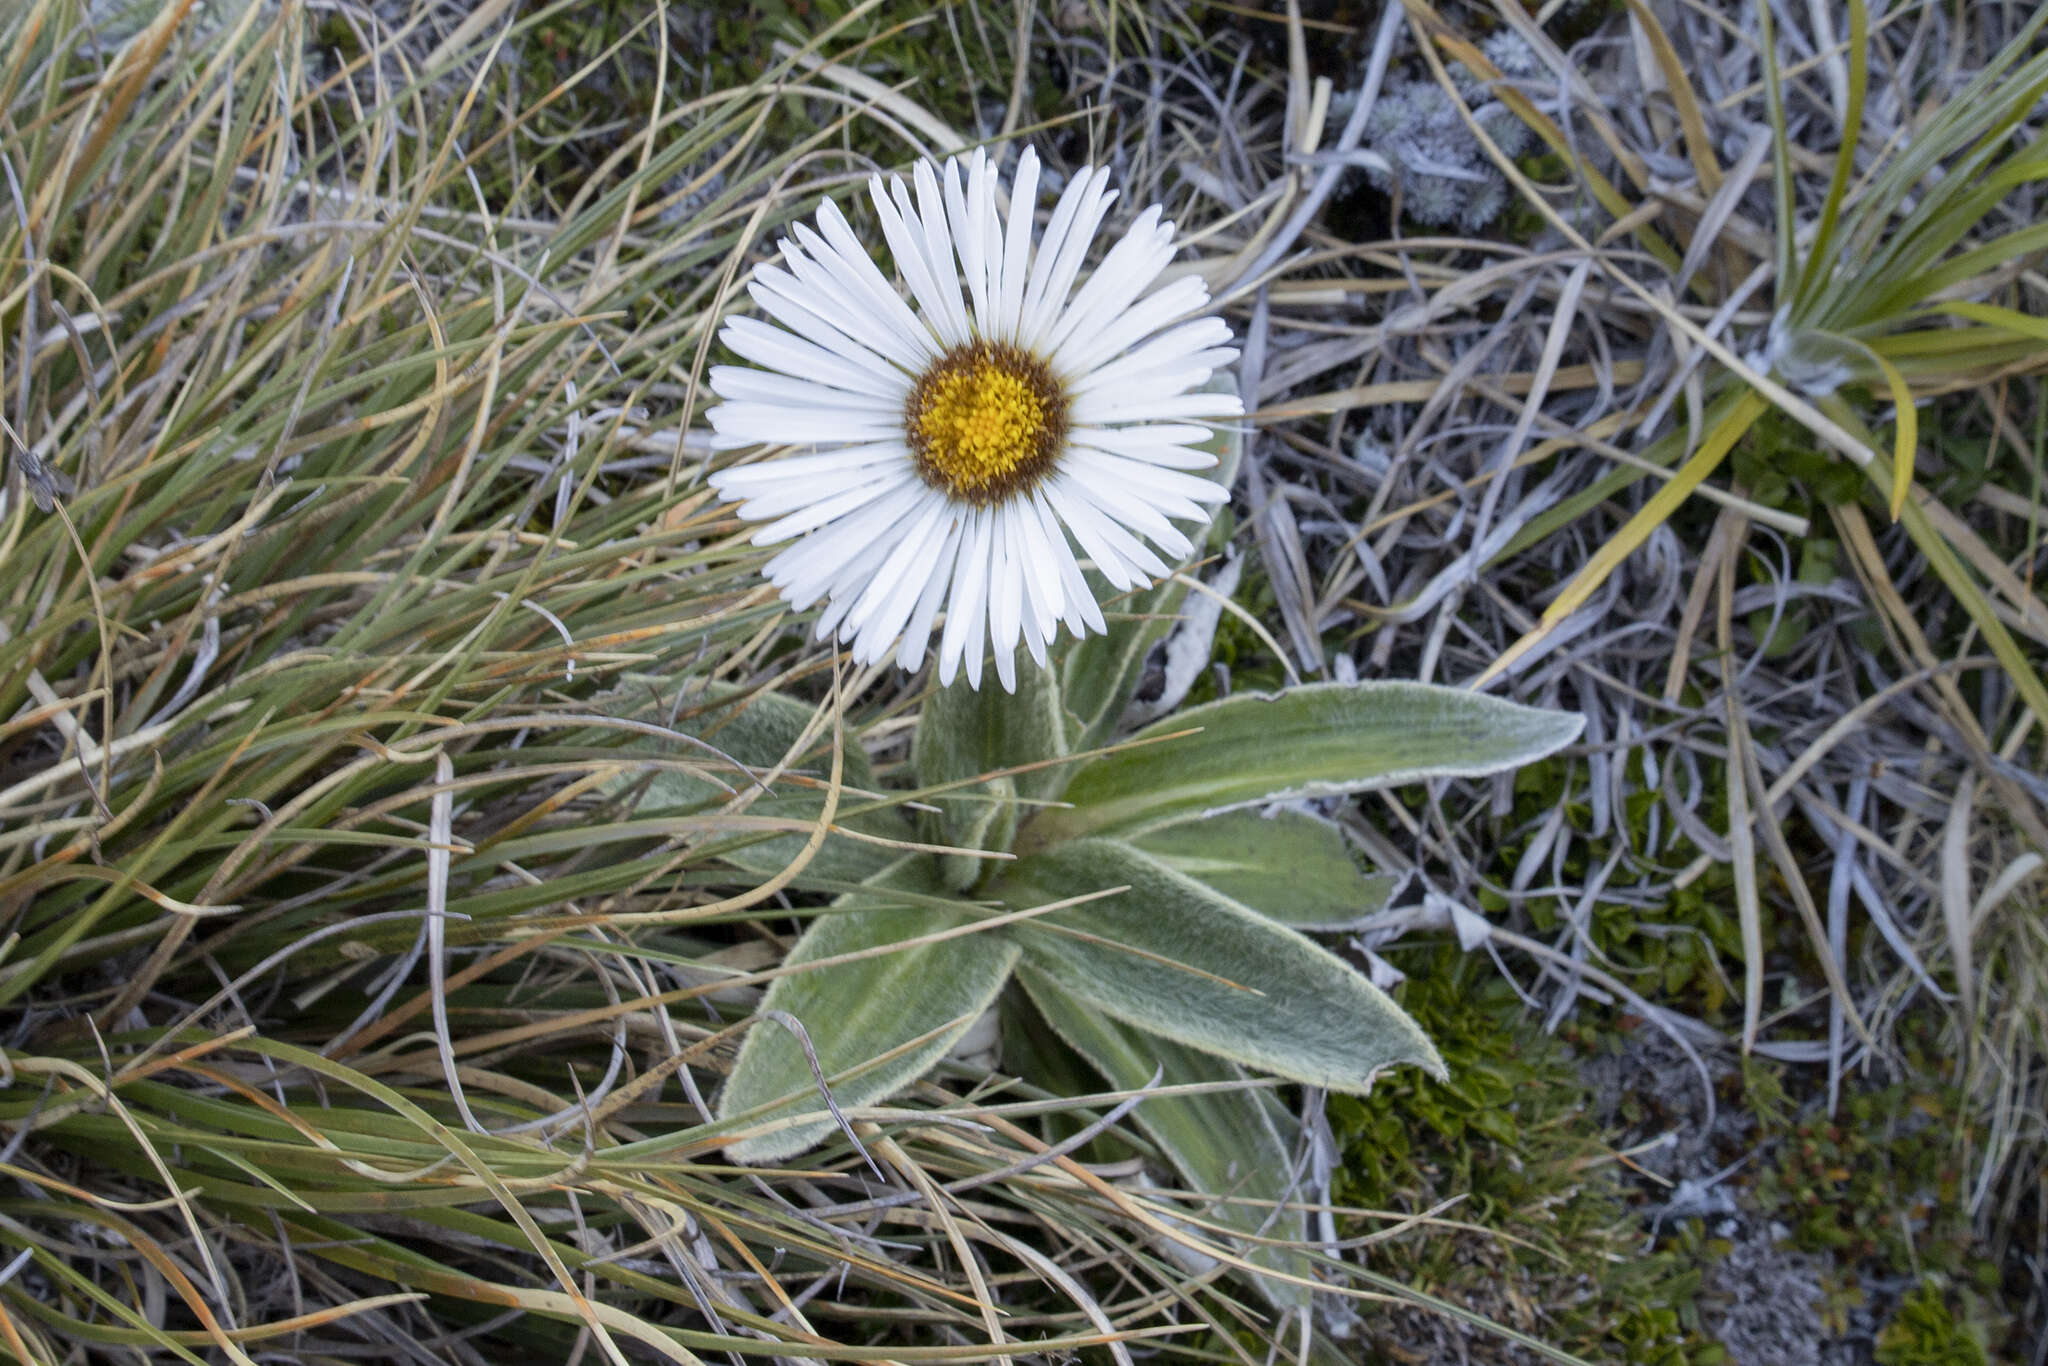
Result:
[[1879, 1182], [1881, 1187], [1926, 1333]]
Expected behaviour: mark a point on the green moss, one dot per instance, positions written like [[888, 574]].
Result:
[[1881, 1188], [1925, 1333], [1550, 1247]]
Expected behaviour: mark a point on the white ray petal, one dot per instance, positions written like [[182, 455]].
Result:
[[839, 255], [828, 509], [1048, 547], [1054, 239], [834, 613], [1034, 566], [745, 481], [896, 558], [964, 212], [1135, 495], [991, 221], [1167, 381], [917, 634], [1017, 245], [1042, 310], [841, 245], [1005, 590], [1156, 407], [907, 247], [1136, 443], [1105, 299], [807, 493], [1170, 376], [806, 287], [773, 425], [1131, 265], [1043, 591], [1036, 643], [966, 616], [1080, 354], [1118, 503], [1150, 434], [770, 346], [1164, 381], [891, 596], [1083, 613], [791, 312], [1006, 666], [845, 551], [744, 384], [818, 288], [1203, 341], [1119, 556], [938, 239], [1155, 481], [1026, 563]]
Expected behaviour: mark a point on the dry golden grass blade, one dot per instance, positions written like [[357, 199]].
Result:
[[2017, 605], [943, 1211], [1699, 146], [1732, 425], [1903, 625], [1794, 878]]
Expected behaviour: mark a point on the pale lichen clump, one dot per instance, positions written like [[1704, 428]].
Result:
[[1444, 175]]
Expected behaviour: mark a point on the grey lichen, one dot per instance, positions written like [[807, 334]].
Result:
[[1444, 176]]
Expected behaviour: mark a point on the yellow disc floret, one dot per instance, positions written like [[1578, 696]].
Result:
[[980, 424], [985, 422]]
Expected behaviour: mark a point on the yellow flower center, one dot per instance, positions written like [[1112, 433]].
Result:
[[986, 422]]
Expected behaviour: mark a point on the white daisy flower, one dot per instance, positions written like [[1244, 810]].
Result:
[[962, 451]]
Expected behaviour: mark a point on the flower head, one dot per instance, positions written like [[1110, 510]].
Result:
[[963, 450]]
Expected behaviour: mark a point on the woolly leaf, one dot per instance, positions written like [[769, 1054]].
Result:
[[1288, 866], [1316, 740], [964, 732], [876, 1024], [758, 731], [1222, 1142], [1175, 958]]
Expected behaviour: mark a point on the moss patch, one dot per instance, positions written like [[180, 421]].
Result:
[[1544, 1242]]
